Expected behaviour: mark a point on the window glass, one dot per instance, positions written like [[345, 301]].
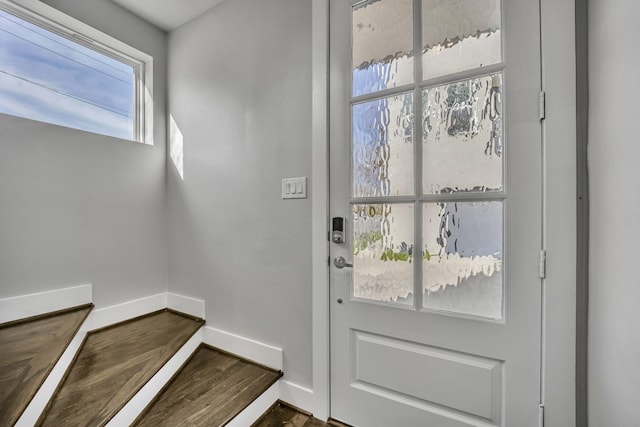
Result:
[[462, 257], [47, 77], [460, 35], [382, 54], [383, 252], [445, 194], [463, 136], [383, 147]]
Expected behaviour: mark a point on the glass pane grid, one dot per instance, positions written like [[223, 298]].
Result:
[[463, 276]]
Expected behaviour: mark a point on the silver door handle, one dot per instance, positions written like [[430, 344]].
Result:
[[340, 262]]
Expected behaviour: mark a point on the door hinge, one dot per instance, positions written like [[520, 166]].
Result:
[[541, 416], [543, 264], [543, 105], [328, 261]]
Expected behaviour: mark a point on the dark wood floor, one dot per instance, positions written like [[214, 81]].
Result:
[[211, 389], [28, 352], [283, 415], [114, 364]]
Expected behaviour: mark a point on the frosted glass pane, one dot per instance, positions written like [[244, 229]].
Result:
[[462, 258], [383, 147], [462, 136], [382, 46], [459, 35], [383, 252]]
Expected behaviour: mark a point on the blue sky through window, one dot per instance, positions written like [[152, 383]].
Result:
[[47, 77]]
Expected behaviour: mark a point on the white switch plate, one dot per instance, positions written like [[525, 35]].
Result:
[[294, 188]]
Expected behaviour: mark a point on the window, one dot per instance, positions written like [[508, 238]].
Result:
[[57, 70], [435, 80]]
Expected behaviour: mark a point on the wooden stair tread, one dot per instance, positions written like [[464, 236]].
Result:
[[283, 415], [29, 350], [113, 364], [209, 390]]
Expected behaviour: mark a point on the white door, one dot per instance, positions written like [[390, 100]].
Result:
[[436, 166]]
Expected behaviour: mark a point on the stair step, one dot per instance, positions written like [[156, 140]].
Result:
[[114, 364], [281, 414], [29, 349], [209, 390]]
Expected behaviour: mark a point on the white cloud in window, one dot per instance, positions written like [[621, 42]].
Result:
[[46, 77]]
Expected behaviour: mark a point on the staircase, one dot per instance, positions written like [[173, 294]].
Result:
[[211, 389], [29, 350], [149, 370]]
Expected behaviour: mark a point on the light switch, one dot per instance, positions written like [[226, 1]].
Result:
[[294, 188]]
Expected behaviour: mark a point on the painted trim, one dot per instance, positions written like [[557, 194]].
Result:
[[39, 402], [248, 348], [266, 355], [106, 316], [559, 316], [72, 25], [319, 399], [23, 306], [99, 318], [582, 257], [128, 414], [187, 305], [254, 411], [298, 396], [20, 307]]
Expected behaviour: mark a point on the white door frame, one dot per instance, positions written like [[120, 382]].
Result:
[[320, 207], [559, 211]]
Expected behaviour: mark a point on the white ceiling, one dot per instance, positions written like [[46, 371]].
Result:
[[167, 14]]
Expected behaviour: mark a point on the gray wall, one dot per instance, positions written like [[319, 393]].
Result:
[[614, 150], [81, 208], [239, 90]]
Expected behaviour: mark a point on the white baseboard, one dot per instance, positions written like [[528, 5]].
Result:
[[296, 395], [106, 316], [248, 348], [24, 306], [254, 411], [293, 394], [186, 305], [139, 402], [101, 317]]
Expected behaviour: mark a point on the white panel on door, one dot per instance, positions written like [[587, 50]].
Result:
[[429, 374]]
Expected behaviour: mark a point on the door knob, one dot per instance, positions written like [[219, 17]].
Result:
[[340, 262]]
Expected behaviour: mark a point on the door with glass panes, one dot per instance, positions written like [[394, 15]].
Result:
[[435, 166]]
